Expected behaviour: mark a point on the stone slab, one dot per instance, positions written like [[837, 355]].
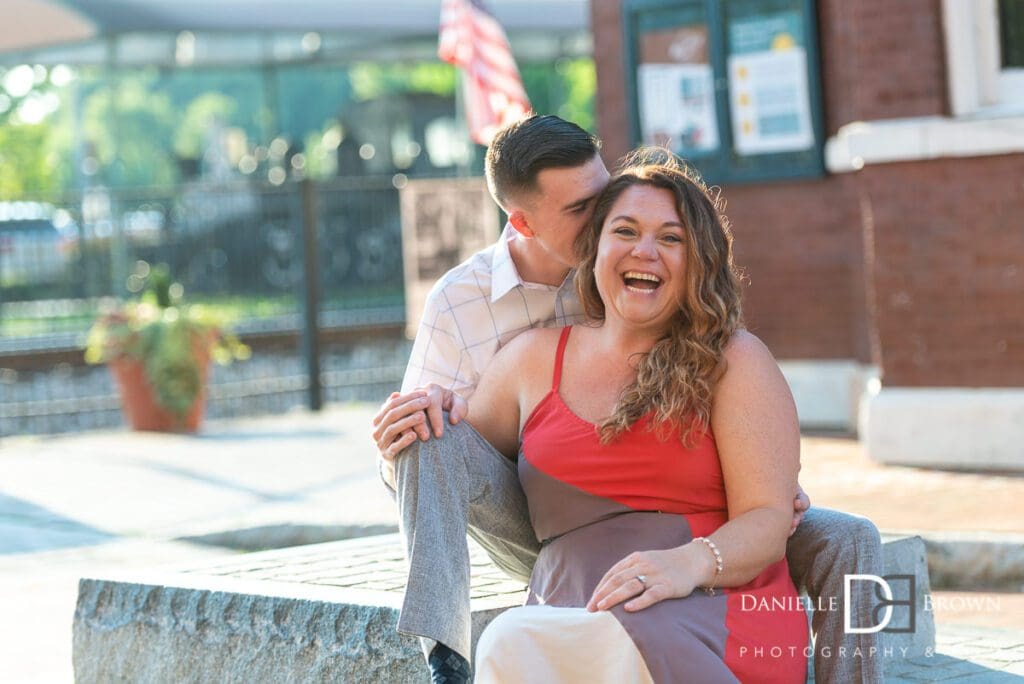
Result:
[[907, 556], [976, 561], [324, 612]]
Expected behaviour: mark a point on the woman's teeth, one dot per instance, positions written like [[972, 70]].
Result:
[[643, 283]]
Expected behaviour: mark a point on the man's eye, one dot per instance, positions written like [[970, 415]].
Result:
[[580, 209]]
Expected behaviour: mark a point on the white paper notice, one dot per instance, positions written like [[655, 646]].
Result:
[[678, 106], [770, 102]]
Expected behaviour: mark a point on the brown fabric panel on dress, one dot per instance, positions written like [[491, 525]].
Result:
[[680, 639], [557, 507]]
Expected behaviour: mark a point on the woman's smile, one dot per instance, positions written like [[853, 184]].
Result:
[[641, 282]]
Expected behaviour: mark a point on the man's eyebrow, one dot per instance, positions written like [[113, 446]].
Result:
[[579, 203]]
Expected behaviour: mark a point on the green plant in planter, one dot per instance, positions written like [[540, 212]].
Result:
[[172, 340]]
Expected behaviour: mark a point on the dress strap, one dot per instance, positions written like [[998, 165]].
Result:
[[559, 353]]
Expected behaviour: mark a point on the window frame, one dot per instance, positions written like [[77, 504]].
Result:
[[978, 85], [725, 165]]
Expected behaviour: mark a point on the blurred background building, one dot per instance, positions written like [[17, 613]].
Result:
[[872, 156], [134, 132]]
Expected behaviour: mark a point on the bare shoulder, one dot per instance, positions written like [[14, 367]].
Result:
[[529, 348], [746, 352], [752, 374]]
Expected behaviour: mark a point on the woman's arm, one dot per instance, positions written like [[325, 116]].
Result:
[[754, 421], [758, 438]]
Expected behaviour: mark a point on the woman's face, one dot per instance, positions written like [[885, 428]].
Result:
[[640, 267]]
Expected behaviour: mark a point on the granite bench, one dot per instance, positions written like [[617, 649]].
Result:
[[323, 612]]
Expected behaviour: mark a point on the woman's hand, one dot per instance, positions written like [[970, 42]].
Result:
[[670, 573]]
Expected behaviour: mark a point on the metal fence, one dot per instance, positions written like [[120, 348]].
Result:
[[240, 247]]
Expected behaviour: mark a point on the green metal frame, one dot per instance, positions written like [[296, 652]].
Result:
[[724, 165]]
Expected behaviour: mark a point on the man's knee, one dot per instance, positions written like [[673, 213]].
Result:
[[845, 539], [451, 441]]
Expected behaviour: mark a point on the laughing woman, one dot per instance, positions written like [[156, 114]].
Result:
[[658, 449]]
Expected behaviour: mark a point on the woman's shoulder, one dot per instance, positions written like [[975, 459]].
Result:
[[533, 340], [530, 346], [745, 345], [746, 353], [525, 362]]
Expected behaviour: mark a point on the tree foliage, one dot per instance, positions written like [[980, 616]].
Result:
[[25, 167], [131, 127]]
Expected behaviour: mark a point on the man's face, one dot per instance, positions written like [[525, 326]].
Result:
[[562, 206]]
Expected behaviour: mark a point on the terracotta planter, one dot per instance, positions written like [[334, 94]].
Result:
[[139, 405]]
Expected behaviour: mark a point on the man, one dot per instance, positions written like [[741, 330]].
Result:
[[545, 173]]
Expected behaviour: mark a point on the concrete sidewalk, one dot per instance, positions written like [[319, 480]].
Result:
[[85, 503]]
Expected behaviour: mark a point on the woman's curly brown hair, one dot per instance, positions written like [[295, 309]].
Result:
[[676, 378]]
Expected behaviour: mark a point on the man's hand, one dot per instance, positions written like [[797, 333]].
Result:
[[800, 505], [405, 417]]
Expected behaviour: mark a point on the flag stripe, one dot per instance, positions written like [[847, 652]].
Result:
[[472, 39]]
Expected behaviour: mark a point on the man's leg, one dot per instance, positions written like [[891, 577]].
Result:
[[449, 487], [827, 546]]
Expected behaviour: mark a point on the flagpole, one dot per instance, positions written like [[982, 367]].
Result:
[[462, 168]]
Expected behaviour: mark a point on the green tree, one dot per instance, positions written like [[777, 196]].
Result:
[[372, 80], [190, 137], [568, 90], [130, 128], [25, 168]]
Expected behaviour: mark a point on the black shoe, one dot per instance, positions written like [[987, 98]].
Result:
[[447, 666]]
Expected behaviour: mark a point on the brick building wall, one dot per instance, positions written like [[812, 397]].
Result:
[[948, 264], [916, 266], [799, 244], [881, 60]]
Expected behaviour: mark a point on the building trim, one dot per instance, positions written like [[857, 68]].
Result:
[[828, 392], [945, 427], [859, 144]]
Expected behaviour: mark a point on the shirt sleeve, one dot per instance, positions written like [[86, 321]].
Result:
[[439, 352]]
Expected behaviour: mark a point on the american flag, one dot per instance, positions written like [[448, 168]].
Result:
[[473, 40]]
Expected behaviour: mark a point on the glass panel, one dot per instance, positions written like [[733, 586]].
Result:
[[1011, 33], [768, 77], [676, 86]]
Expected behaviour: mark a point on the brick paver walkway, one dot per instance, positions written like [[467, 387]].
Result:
[[838, 474]]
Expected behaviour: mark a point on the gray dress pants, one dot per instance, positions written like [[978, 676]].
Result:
[[459, 484]]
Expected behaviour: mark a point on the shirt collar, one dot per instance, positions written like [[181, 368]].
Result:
[[504, 276]]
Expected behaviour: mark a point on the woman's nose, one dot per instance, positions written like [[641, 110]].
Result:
[[645, 249]]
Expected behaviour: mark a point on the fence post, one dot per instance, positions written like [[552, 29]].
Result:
[[310, 294]]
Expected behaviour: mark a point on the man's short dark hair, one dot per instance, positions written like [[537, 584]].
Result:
[[523, 149]]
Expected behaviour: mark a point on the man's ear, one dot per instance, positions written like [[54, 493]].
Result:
[[518, 220]]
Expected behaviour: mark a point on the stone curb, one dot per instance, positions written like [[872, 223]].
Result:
[[972, 561], [287, 535]]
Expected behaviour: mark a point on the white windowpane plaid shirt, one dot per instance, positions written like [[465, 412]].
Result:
[[474, 310]]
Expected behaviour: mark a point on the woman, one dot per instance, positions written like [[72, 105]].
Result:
[[659, 453]]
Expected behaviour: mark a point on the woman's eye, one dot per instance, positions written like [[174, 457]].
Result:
[[622, 230], [672, 239]]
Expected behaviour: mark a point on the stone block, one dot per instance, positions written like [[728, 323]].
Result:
[[307, 614], [324, 612], [906, 556]]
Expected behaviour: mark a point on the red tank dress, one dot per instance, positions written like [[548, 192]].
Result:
[[592, 504]]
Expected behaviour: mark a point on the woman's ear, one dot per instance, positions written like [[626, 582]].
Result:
[[518, 220]]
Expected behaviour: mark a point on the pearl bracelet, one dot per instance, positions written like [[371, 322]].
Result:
[[719, 565]]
